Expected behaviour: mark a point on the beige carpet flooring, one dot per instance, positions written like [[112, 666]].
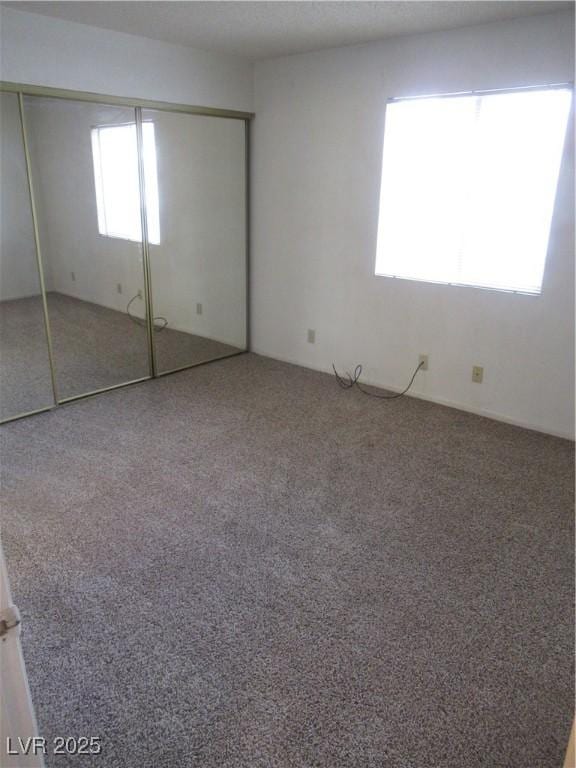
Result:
[[244, 566]]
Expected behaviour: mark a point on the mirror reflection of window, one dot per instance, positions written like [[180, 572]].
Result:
[[115, 155]]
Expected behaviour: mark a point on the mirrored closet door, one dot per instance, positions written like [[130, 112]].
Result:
[[84, 170], [123, 242], [196, 191], [25, 379]]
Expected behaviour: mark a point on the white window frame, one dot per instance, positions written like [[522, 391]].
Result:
[[380, 257]]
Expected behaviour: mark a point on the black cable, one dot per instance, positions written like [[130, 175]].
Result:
[[353, 382], [142, 323]]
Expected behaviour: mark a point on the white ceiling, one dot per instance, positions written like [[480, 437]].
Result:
[[260, 30]]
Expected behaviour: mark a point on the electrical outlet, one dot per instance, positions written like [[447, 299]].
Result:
[[477, 374], [311, 336], [423, 362], [139, 294], [198, 308], [119, 287], [73, 276]]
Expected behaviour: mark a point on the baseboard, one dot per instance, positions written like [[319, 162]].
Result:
[[173, 327], [22, 296], [134, 314], [88, 301], [428, 398]]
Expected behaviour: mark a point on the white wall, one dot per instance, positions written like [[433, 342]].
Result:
[[18, 266], [316, 164], [38, 50]]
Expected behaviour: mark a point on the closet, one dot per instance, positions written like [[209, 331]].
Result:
[[123, 242]]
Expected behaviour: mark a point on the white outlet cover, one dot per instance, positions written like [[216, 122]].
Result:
[[477, 374]]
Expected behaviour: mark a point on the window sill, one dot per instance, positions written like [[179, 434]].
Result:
[[494, 289]]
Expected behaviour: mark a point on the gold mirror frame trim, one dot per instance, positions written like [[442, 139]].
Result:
[[38, 248], [21, 90], [145, 246], [73, 398], [121, 101]]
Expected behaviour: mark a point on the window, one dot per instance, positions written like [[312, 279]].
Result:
[[115, 154], [468, 187]]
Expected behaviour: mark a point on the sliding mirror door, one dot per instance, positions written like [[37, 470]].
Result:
[[84, 170], [196, 219], [25, 379]]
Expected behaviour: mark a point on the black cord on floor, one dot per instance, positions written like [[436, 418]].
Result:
[[142, 323], [352, 381]]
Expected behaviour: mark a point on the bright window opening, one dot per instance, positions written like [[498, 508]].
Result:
[[115, 154], [468, 187]]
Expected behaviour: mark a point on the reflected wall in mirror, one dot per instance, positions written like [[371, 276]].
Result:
[[84, 166], [198, 257], [25, 380]]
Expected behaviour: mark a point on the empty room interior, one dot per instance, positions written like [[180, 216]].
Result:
[[287, 384]]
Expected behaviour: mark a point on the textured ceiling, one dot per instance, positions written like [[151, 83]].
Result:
[[259, 30]]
